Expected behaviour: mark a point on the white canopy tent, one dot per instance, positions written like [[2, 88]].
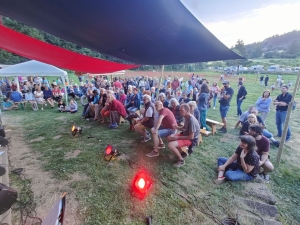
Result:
[[34, 68]]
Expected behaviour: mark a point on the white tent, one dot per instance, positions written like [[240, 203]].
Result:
[[34, 68]]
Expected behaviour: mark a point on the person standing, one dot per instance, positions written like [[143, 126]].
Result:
[[263, 104], [225, 99], [241, 95], [282, 102], [203, 105], [261, 79], [214, 91], [266, 80]]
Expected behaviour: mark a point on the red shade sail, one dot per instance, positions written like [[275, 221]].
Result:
[[31, 48]]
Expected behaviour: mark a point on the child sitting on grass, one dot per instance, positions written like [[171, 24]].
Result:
[[8, 105], [273, 87], [61, 106], [72, 106]]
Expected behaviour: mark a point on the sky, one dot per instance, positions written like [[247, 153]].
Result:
[[251, 21]]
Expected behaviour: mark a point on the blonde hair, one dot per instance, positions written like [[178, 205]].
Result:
[[111, 96], [253, 116], [192, 103]]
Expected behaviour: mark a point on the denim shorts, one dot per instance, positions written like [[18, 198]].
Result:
[[224, 110], [165, 132]]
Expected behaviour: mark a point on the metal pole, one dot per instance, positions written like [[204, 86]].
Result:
[[159, 83], [287, 120]]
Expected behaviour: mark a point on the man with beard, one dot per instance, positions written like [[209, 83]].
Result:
[[263, 148]]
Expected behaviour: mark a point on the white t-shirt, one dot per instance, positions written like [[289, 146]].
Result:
[[149, 112], [39, 94]]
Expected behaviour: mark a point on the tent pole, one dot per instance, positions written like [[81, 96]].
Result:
[[66, 93], [287, 120], [18, 85], [160, 80]]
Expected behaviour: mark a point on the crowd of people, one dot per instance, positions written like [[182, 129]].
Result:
[[176, 110]]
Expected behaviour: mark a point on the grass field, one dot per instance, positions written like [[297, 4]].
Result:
[[103, 192]]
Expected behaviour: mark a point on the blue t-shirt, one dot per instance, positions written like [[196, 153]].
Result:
[[16, 96]]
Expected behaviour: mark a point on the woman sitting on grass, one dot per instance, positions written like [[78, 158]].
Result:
[[242, 165], [245, 128], [48, 96], [30, 98], [194, 110], [116, 110]]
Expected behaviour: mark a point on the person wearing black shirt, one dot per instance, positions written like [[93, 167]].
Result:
[[242, 165], [241, 95], [225, 99], [282, 102], [266, 80], [261, 79]]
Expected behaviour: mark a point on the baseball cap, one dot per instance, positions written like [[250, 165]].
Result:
[[225, 82]]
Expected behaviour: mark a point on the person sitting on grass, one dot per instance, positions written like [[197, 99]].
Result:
[[57, 95], [188, 137], [93, 104], [194, 110], [162, 98], [164, 127], [262, 149], [116, 110], [101, 103], [8, 105], [29, 97], [183, 99], [244, 116], [39, 97], [135, 102], [48, 96], [72, 108], [147, 121], [242, 165], [61, 106]]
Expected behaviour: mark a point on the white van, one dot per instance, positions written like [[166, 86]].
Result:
[[274, 68]]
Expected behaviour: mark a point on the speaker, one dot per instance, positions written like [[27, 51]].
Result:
[[2, 172], [2, 131], [3, 141], [8, 196]]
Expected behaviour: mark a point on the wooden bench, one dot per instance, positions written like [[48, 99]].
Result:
[[213, 125]]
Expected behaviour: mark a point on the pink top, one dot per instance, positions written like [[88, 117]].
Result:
[[215, 89]]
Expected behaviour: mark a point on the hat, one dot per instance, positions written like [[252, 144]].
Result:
[[75, 84], [54, 83], [225, 82]]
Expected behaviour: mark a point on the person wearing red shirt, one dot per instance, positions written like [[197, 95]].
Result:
[[116, 109], [118, 84], [164, 127]]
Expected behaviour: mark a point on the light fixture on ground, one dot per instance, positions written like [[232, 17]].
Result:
[[76, 130], [141, 184], [110, 153]]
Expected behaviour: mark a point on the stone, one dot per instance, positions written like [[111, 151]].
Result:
[[259, 191]]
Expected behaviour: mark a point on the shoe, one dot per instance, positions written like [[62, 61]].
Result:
[[223, 130], [179, 163], [262, 175], [45, 105], [161, 146], [214, 108], [113, 126], [276, 143], [278, 135], [190, 150], [267, 177], [146, 139], [42, 108], [152, 154], [183, 155], [287, 139], [217, 181]]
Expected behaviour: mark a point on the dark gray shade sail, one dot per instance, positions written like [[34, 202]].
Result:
[[149, 32]]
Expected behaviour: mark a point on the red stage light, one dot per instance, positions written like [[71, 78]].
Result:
[[108, 150], [141, 184]]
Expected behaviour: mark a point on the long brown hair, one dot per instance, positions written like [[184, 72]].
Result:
[[266, 91]]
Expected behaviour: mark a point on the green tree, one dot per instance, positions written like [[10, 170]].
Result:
[[293, 48]]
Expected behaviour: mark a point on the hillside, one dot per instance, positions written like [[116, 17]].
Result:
[[278, 46]]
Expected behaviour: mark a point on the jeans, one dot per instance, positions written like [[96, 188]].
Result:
[[203, 119], [239, 103], [280, 119], [215, 99], [223, 110], [267, 134], [233, 171]]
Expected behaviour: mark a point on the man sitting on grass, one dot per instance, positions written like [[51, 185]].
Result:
[[164, 127], [244, 116], [263, 148], [190, 134], [16, 97]]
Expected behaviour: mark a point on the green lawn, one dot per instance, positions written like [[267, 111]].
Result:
[[105, 188]]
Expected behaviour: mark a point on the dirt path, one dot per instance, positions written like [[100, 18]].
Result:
[[46, 189]]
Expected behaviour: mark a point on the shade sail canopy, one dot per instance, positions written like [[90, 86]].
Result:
[[31, 48], [32, 68], [151, 32]]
